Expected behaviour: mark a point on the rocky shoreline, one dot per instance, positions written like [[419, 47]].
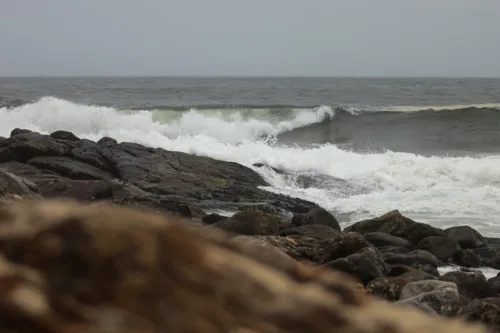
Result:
[[391, 257]]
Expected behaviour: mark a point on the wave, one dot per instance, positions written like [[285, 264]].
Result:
[[436, 189]]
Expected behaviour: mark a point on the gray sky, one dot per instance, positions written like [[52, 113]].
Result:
[[250, 37]]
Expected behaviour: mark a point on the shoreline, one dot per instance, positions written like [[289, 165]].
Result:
[[395, 258]]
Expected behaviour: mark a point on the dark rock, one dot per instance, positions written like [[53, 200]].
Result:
[[316, 215], [17, 131], [70, 168], [365, 265], [250, 223], [443, 248], [389, 287], [394, 249], [106, 141], [485, 311], [395, 224], [380, 239], [442, 297], [467, 258], [315, 230], [24, 146], [492, 241], [64, 135], [467, 237], [494, 283], [213, 218], [262, 165], [470, 284], [90, 155], [86, 143], [343, 245], [490, 256], [418, 259]]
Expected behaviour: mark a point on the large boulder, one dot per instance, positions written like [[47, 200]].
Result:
[[443, 248], [12, 186], [471, 284], [389, 287], [485, 311], [314, 230], [316, 215], [250, 223], [467, 237], [365, 265], [70, 168], [442, 297], [380, 239], [395, 224], [418, 259], [494, 283]]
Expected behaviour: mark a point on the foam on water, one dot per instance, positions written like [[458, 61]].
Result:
[[440, 190]]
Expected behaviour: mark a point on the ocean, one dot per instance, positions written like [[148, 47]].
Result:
[[358, 147]]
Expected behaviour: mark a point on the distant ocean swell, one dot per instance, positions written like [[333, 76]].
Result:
[[353, 178]]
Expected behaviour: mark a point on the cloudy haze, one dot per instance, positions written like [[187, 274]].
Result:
[[257, 37]]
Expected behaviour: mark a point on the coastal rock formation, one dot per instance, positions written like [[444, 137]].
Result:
[[67, 267]]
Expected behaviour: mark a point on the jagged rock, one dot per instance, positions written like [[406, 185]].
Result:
[[315, 230], [72, 268], [316, 215], [380, 239], [365, 265], [64, 135], [442, 297], [470, 284], [485, 311], [90, 155], [395, 224], [24, 146], [494, 284], [389, 287], [11, 185], [417, 259], [213, 218], [443, 248], [343, 245], [250, 223], [467, 237]]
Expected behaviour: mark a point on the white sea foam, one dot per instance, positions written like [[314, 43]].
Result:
[[439, 190]]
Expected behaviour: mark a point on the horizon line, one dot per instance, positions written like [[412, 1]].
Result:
[[254, 76]]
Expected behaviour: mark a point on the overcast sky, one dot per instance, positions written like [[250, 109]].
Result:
[[250, 37]]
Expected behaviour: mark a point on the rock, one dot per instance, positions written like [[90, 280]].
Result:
[[467, 258], [213, 218], [395, 224], [485, 311], [467, 237], [70, 168], [380, 239], [470, 284], [365, 265], [494, 283], [443, 248], [89, 154], [389, 287], [417, 259], [262, 165], [394, 249], [343, 245], [26, 145], [441, 297], [106, 141], [250, 223], [12, 186], [489, 256], [316, 215], [108, 269], [64, 135], [17, 131], [315, 230]]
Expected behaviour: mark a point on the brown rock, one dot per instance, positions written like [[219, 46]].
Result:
[[11, 185], [97, 268], [250, 223], [443, 248]]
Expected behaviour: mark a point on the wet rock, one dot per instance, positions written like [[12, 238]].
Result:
[[107, 269], [64, 135], [24, 146], [395, 224], [494, 283], [467, 237], [12, 185], [443, 248], [418, 259], [467, 258], [70, 168], [315, 230], [485, 311], [106, 141], [316, 215], [17, 131], [380, 239], [90, 155], [489, 256], [343, 245], [365, 265], [389, 287], [250, 223], [442, 297], [394, 249], [470, 284], [213, 218], [262, 165]]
